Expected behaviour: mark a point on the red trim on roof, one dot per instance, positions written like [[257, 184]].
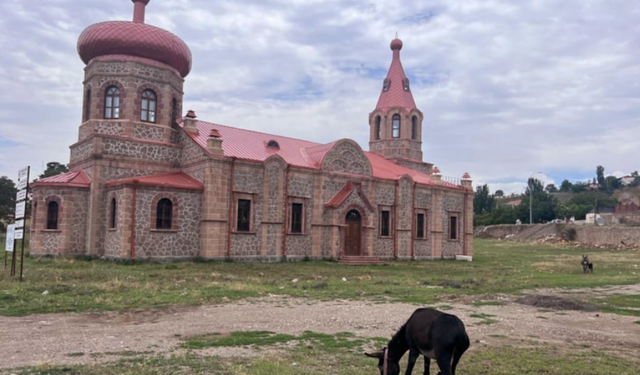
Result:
[[68, 179], [174, 180]]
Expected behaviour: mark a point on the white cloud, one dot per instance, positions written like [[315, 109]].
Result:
[[506, 87]]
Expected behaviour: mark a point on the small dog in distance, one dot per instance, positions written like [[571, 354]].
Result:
[[587, 266]]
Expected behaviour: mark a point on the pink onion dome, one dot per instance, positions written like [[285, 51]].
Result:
[[135, 39], [396, 44]]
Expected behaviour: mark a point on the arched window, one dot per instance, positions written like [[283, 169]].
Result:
[[112, 102], [377, 129], [395, 128], [87, 106], [112, 214], [164, 213], [414, 127], [52, 215], [148, 108], [174, 112]]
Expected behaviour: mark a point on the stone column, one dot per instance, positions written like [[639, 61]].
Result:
[[436, 220]]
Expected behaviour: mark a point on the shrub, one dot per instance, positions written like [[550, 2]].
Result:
[[569, 234]]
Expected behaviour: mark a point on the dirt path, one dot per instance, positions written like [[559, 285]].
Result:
[[91, 338]]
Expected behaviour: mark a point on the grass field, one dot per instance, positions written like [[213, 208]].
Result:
[[82, 284]]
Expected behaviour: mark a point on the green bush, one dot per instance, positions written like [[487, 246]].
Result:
[[569, 234]]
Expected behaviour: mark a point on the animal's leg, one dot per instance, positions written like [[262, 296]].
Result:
[[444, 362], [413, 355], [427, 365], [456, 357]]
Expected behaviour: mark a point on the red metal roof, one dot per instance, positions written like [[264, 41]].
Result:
[[134, 39], [340, 196], [177, 180], [396, 95], [68, 179], [252, 145]]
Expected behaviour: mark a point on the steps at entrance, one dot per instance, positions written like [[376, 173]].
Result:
[[360, 261]]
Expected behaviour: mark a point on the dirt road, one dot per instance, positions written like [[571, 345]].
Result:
[[90, 338]]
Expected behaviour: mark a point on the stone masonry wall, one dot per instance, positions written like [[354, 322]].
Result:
[[422, 247], [404, 214], [451, 203], [113, 237], [347, 157], [183, 242], [77, 216], [149, 132], [82, 150], [190, 151], [249, 179], [141, 150]]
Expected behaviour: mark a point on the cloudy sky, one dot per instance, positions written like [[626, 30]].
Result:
[[508, 89]]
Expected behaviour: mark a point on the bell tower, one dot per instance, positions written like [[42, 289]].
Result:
[[396, 123]]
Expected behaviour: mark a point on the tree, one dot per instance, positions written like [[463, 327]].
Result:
[[499, 193], [579, 187], [551, 188], [566, 186], [602, 183], [483, 201], [589, 198], [612, 184], [504, 214], [543, 204], [54, 168], [8, 193], [636, 179]]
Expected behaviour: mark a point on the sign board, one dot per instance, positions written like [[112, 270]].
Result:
[[19, 234], [23, 177], [22, 195], [23, 173], [22, 184], [19, 223], [20, 207], [10, 237]]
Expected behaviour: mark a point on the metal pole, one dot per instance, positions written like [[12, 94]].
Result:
[[530, 202], [25, 227]]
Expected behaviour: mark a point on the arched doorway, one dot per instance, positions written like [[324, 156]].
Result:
[[352, 236]]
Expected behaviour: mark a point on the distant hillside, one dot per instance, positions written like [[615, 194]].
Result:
[[628, 195]]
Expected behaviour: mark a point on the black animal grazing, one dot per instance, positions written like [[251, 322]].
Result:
[[432, 333], [587, 266]]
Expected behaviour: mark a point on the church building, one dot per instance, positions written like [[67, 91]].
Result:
[[146, 182]]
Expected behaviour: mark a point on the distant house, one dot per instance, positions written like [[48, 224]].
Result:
[[626, 180], [515, 203]]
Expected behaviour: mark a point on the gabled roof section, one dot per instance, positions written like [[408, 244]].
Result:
[[396, 91], [340, 196], [175, 180], [68, 179], [345, 192]]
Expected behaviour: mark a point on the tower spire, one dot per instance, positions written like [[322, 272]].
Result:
[[138, 10], [396, 124], [396, 91]]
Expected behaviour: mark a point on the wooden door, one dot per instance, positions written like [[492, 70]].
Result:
[[352, 234]]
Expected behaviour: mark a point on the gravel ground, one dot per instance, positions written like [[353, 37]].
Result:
[[72, 338]]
